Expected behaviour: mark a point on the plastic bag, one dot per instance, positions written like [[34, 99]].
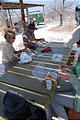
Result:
[[35, 54], [40, 72], [2, 69], [24, 58], [57, 57], [42, 43]]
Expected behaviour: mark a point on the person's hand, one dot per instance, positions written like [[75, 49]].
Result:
[[42, 39], [23, 50], [78, 59], [17, 57], [35, 41], [6, 69], [64, 67], [27, 51], [64, 76]]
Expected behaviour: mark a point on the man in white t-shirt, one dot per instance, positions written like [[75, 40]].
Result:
[[75, 37]]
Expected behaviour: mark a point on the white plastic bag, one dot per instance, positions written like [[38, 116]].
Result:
[[40, 72], [42, 43], [2, 69], [24, 58], [57, 57]]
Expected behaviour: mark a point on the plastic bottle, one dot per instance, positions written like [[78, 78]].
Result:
[[48, 84]]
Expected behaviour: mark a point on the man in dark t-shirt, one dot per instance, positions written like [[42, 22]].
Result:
[[29, 38]]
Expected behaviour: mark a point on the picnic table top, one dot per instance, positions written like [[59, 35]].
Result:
[[20, 77]]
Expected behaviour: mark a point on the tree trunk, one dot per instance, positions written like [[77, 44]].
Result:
[[61, 20], [22, 13]]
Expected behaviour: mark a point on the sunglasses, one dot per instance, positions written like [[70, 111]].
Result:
[[78, 43], [13, 37]]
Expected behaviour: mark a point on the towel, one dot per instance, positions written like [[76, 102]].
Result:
[[46, 50]]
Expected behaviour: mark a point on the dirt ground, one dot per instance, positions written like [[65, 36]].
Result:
[[62, 29]]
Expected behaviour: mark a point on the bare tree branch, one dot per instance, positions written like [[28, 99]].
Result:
[[56, 11], [69, 5]]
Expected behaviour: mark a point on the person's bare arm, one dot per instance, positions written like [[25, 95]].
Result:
[[40, 39], [23, 50], [64, 67], [64, 76], [30, 42], [14, 58]]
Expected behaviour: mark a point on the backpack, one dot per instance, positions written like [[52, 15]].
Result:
[[16, 107]]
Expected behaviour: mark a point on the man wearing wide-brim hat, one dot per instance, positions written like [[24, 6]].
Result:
[[29, 38]]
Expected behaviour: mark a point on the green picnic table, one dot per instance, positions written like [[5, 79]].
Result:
[[20, 77]]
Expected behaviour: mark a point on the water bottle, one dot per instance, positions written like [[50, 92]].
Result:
[[48, 84]]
